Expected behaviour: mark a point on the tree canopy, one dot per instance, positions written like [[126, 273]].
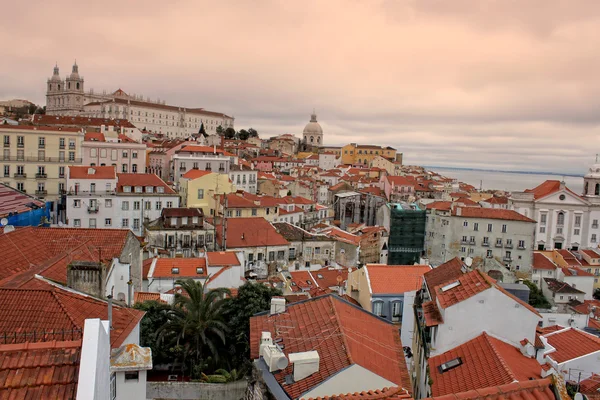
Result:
[[536, 297], [229, 133]]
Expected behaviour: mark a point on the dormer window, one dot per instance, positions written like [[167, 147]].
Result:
[[184, 220], [175, 271], [160, 189], [127, 189], [319, 276], [199, 271], [138, 189], [173, 221], [309, 283], [195, 220]]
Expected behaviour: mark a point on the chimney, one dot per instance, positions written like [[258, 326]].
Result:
[[277, 305], [305, 364], [562, 185], [110, 319]]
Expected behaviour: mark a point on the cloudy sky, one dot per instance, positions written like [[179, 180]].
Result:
[[506, 84]]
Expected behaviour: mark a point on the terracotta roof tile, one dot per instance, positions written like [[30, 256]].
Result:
[[395, 278], [379, 394], [539, 389], [94, 137], [47, 370], [222, 258], [195, 173], [571, 343], [176, 268], [142, 180], [440, 205], [342, 334], [540, 261], [432, 314], [448, 271], [486, 362], [546, 188], [326, 277], [140, 297], [86, 172], [14, 201], [250, 232], [557, 286], [490, 213]]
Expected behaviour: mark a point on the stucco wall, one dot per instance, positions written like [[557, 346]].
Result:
[[196, 390]]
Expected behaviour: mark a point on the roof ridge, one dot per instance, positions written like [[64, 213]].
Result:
[[499, 356], [62, 306], [341, 328]]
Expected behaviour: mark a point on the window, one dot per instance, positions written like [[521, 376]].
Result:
[[378, 308], [77, 223], [254, 212], [396, 310], [125, 154], [317, 250], [7, 170], [159, 205], [499, 242], [61, 172], [134, 168], [593, 238], [136, 223], [559, 230], [476, 226], [238, 213], [113, 386], [71, 156], [543, 218], [41, 142], [20, 186], [489, 254], [463, 249], [595, 223], [466, 223], [92, 188], [136, 205], [107, 221], [508, 255], [20, 141], [135, 375], [124, 169], [576, 232], [93, 223], [6, 140], [72, 144], [41, 155], [139, 189], [20, 154], [560, 219], [126, 189], [125, 223], [542, 229], [200, 193], [169, 204], [125, 205], [503, 228], [521, 244], [490, 227], [578, 220], [486, 240]]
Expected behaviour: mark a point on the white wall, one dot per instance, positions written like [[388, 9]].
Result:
[[116, 281], [583, 283], [588, 364], [408, 319], [565, 319], [94, 370], [131, 389]]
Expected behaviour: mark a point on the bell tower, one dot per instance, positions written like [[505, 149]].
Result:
[[54, 93], [591, 180], [74, 92]]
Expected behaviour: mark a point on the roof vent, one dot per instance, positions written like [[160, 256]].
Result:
[[450, 286], [91, 171], [305, 364], [447, 366], [277, 305], [274, 357]]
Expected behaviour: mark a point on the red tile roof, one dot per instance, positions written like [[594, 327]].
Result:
[[86, 172], [432, 314], [46, 370], [399, 181], [302, 280], [540, 261], [547, 188], [94, 137], [490, 213], [379, 394], [200, 149], [140, 297], [250, 232], [54, 309], [446, 272], [571, 343], [327, 278], [14, 201], [486, 361], [342, 334], [342, 236], [497, 200], [195, 173], [592, 253], [395, 278], [557, 286], [539, 389], [187, 268], [222, 258], [142, 180], [440, 205]]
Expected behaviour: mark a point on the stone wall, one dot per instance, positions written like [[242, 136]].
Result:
[[196, 390]]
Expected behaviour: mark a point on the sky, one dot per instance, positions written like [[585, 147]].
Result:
[[505, 84]]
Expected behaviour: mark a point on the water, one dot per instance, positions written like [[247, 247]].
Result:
[[508, 181]]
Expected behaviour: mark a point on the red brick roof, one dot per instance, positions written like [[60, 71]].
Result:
[[540, 261], [440, 205], [379, 394], [87, 172], [53, 309], [222, 258], [432, 314], [94, 137], [546, 188], [539, 389], [13, 201], [446, 272], [490, 213], [342, 334], [195, 173], [571, 343], [187, 268], [250, 232], [46, 370], [142, 180], [140, 297], [327, 278], [395, 278], [486, 361]]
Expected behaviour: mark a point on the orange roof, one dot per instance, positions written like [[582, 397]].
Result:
[[222, 258], [302, 280], [94, 137], [200, 149], [395, 278], [571, 343], [107, 172], [547, 188], [591, 252], [342, 236], [540, 261], [179, 268], [250, 232], [195, 173], [486, 361], [140, 297], [490, 213], [142, 180], [440, 205], [379, 394], [539, 389], [446, 272], [432, 314], [399, 181], [344, 335]]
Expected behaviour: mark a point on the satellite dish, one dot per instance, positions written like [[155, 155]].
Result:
[[578, 396], [468, 261], [4, 222], [9, 228]]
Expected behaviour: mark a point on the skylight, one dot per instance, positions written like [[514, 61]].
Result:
[[174, 271], [445, 367], [450, 286]]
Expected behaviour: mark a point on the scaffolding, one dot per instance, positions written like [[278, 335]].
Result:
[[407, 233]]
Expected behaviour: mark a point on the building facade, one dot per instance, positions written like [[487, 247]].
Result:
[[114, 149], [312, 135]]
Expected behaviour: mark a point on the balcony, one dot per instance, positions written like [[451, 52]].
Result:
[[507, 259], [39, 159], [41, 176], [485, 244], [41, 145], [41, 192], [19, 175], [595, 226], [464, 242], [472, 242], [521, 247], [6, 144], [61, 147], [498, 244], [20, 145], [508, 245], [93, 209]]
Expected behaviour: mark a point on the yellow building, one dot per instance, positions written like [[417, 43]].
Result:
[[35, 158], [363, 154], [198, 189]]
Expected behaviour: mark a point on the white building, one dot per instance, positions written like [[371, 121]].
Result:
[[327, 161], [99, 198], [244, 178], [199, 157], [114, 149], [312, 135], [565, 220]]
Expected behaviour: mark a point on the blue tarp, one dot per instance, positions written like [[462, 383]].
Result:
[[31, 218]]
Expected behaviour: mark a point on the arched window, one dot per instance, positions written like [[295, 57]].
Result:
[[359, 161], [58, 87], [378, 308], [585, 188], [560, 220], [77, 85], [597, 189], [318, 139], [312, 139], [69, 85], [396, 311]]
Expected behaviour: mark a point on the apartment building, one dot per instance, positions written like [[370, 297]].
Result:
[[199, 157], [363, 154], [115, 149], [34, 159]]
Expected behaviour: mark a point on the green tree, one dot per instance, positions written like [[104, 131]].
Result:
[[202, 131], [219, 130], [253, 132], [154, 319], [229, 133], [243, 134], [536, 297], [195, 325], [289, 193], [251, 299]]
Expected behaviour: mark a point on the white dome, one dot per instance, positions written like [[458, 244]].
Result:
[[313, 127], [594, 172]]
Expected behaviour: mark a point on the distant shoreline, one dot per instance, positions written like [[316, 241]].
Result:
[[433, 168]]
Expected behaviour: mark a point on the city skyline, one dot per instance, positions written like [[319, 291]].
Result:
[[500, 86]]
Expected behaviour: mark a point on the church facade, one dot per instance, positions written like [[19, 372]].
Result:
[[67, 97]]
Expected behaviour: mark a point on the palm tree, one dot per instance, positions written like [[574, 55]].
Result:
[[195, 324]]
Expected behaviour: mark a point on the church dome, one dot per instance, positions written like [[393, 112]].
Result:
[[313, 127], [56, 75], [75, 73], [593, 172]]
